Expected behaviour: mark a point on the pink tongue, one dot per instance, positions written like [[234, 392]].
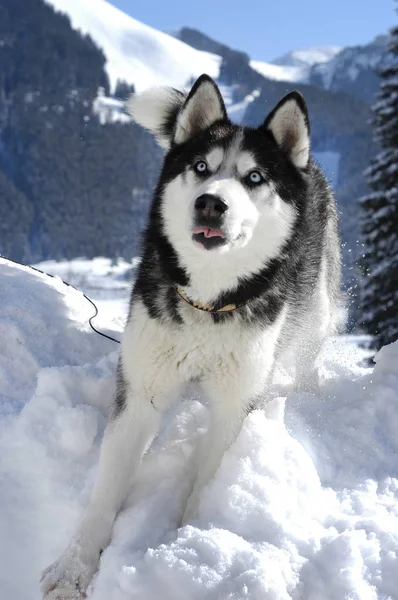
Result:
[[209, 233]]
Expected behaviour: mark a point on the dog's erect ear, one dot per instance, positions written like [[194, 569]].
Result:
[[156, 109], [289, 125], [173, 116], [203, 107]]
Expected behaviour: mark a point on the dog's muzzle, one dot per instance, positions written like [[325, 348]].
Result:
[[209, 216]]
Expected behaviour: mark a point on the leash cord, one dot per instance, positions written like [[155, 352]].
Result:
[[108, 337]]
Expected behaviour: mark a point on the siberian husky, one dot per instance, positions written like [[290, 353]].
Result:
[[240, 262]]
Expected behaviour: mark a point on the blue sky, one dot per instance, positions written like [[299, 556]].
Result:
[[268, 29]]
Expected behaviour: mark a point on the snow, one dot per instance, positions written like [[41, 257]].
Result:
[[308, 56], [236, 110], [299, 74], [350, 62], [142, 55], [304, 505], [146, 57], [135, 52], [92, 276], [295, 65], [109, 110], [105, 281]]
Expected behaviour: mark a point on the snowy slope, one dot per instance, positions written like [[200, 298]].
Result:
[[146, 57], [280, 72], [308, 56], [305, 510], [135, 52], [107, 283]]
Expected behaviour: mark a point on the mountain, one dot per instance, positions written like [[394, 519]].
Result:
[[135, 52], [295, 65], [308, 57], [71, 153], [69, 185], [353, 70], [202, 42]]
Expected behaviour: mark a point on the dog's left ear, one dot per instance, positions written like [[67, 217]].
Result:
[[203, 107], [289, 125]]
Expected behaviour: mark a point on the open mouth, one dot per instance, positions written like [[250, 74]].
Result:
[[208, 237]]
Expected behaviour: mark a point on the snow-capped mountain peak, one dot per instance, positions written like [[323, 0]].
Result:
[[308, 57], [296, 65], [135, 52]]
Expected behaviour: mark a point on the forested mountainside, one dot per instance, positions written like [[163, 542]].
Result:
[[69, 186]]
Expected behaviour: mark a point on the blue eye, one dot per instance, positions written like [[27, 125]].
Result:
[[255, 177], [201, 167]]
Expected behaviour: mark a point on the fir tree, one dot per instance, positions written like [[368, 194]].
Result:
[[379, 213], [123, 90]]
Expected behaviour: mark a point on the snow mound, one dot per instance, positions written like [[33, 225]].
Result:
[[303, 506], [135, 52], [106, 282]]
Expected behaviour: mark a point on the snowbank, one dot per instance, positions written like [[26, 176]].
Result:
[[302, 510]]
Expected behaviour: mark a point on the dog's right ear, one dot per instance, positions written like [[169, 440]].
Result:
[[174, 117], [157, 109]]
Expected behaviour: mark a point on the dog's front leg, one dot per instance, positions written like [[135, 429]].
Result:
[[129, 432], [227, 415], [235, 384]]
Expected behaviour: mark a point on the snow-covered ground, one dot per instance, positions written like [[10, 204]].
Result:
[[107, 283], [302, 508]]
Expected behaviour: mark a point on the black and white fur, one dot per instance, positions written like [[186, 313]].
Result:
[[274, 253]]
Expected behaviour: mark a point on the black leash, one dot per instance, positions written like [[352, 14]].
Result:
[[108, 337]]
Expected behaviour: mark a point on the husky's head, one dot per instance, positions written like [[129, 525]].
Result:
[[228, 194]]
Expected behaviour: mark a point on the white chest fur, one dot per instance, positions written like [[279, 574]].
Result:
[[157, 358]]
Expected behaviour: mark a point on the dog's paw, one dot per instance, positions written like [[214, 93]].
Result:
[[69, 577], [64, 591]]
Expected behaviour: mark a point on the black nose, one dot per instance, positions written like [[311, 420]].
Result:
[[210, 206]]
